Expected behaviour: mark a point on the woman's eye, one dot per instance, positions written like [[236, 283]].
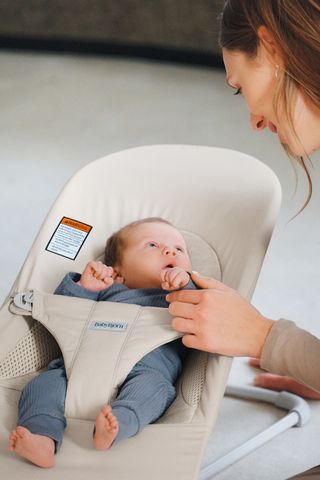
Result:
[[238, 92]]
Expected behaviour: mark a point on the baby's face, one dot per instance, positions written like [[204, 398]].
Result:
[[152, 247]]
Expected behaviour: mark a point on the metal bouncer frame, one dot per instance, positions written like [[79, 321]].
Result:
[[298, 415]]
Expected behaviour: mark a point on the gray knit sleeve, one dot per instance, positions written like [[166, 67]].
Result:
[[191, 286]]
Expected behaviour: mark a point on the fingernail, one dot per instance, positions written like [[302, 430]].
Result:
[[197, 273], [257, 381]]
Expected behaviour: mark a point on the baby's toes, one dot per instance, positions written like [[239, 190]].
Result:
[[113, 426], [12, 440], [21, 432], [112, 419], [106, 410], [113, 422]]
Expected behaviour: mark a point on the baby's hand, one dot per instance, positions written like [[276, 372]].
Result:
[[174, 278], [96, 276]]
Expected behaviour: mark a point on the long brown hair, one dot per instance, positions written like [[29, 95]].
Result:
[[295, 26]]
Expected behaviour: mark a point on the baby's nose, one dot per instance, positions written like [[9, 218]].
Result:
[[169, 251]]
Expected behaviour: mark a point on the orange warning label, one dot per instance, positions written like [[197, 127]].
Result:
[[75, 224]]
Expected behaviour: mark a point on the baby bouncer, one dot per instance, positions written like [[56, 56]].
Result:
[[226, 204]]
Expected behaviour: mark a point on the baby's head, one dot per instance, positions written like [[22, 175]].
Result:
[[139, 251]]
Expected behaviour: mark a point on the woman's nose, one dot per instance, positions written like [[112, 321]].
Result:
[[258, 122]]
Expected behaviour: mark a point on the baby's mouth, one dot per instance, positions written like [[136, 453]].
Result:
[[170, 265]]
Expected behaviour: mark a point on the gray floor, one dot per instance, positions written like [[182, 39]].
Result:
[[59, 112]]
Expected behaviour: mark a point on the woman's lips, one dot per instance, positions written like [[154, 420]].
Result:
[[282, 138]]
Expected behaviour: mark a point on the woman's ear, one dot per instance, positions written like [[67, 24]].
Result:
[[269, 43]]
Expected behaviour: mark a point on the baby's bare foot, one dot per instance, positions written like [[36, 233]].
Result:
[[106, 429], [38, 449]]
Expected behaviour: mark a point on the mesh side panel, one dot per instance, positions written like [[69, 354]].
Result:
[[194, 377], [32, 352]]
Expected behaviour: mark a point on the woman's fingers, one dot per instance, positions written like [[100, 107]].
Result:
[[207, 282], [224, 321], [191, 341], [194, 296], [279, 383], [183, 325], [186, 296], [181, 309], [254, 362]]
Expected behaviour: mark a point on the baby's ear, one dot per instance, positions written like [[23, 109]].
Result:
[[119, 280], [117, 277]]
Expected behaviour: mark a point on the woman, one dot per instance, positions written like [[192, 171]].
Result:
[[271, 51]]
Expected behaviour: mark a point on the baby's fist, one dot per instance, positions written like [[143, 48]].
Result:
[[96, 276], [174, 278]]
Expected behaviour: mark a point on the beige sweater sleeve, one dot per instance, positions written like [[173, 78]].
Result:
[[289, 350]]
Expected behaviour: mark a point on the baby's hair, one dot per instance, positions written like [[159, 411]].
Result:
[[117, 242]]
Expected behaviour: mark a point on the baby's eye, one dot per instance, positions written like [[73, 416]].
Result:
[[152, 244], [238, 92], [180, 249]]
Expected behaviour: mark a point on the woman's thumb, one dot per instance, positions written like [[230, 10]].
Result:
[[205, 282]]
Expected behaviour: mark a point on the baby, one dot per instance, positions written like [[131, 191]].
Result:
[[143, 261]]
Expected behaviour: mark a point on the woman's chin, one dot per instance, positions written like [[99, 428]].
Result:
[[297, 149]]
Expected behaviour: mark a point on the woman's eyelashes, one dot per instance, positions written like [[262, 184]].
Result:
[[238, 92]]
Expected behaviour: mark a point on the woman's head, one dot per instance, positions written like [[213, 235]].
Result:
[[271, 50]]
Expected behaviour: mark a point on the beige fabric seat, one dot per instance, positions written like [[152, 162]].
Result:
[[226, 204]]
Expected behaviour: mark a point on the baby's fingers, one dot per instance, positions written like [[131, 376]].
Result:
[[104, 273], [99, 270], [181, 279], [165, 286], [108, 271], [166, 275], [163, 274], [171, 284], [108, 281]]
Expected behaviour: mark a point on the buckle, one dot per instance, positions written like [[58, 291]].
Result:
[[24, 300]]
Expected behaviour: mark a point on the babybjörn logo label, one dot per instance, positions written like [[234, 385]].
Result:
[[109, 326]]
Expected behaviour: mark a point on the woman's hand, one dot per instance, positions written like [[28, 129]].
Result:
[[218, 320], [281, 382]]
